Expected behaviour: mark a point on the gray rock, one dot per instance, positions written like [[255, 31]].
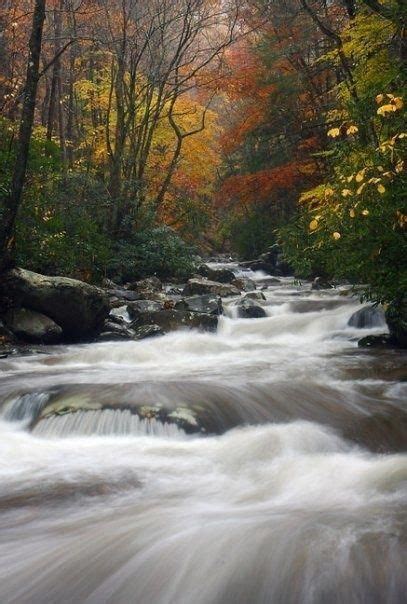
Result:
[[143, 306], [321, 283], [220, 275], [250, 309], [381, 341], [122, 294], [255, 296], [204, 286], [33, 326], [148, 331], [204, 304], [367, 317], [171, 320], [244, 284]]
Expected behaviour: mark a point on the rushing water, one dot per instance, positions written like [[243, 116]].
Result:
[[260, 464]]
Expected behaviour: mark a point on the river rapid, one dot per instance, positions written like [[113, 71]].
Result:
[[291, 488]]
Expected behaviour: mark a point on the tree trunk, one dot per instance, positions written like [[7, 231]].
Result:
[[11, 201]]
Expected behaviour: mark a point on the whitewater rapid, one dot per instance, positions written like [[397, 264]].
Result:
[[293, 490]]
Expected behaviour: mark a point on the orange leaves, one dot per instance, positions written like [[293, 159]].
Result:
[[260, 187]]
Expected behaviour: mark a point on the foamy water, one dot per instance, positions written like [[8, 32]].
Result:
[[290, 486]]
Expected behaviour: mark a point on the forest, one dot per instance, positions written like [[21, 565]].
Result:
[[136, 135]]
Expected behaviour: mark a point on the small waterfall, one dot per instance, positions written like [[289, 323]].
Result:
[[105, 422], [25, 408]]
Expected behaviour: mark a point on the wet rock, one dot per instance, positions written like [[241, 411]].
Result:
[[396, 318], [221, 275], [148, 331], [381, 341], [205, 286], [250, 309], [367, 317], [6, 336], [138, 307], [122, 294], [244, 284], [255, 296], [113, 336], [171, 320], [120, 328], [258, 265], [209, 304], [78, 308], [321, 283], [33, 326]]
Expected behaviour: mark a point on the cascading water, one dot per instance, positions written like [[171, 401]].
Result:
[[260, 464]]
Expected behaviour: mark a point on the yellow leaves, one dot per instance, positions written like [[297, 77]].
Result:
[[399, 166], [336, 235], [350, 178], [346, 192], [352, 213], [313, 225], [359, 191], [334, 132], [352, 129], [381, 189], [329, 192], [394, 104], [401, 219], [360, 175], [365, 212], [385, 109]]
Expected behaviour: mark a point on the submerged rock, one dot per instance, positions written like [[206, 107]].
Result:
[[204, 286], [367, 317], [33, 326], [381, 341], [78, 308]]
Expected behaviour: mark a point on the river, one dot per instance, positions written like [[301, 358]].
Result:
[[278, 476]]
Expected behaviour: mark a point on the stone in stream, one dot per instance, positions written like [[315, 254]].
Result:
[[244, 284], [250, 309], [221, 275], [204, 286], [171, 320], [321, 283], [148, 331], [207, 303], [33, 326], [381, 341], [367, 317], [77, 307], [255, 296], [134, 309]]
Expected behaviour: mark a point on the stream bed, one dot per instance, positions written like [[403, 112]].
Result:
[[263, 463]]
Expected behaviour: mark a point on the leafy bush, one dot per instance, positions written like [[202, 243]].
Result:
[[155, 251]]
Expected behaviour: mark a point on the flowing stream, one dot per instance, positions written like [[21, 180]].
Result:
[[264, 463]]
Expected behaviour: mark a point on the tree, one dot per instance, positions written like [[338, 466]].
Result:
[[11, 199]]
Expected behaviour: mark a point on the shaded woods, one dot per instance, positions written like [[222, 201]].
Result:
[[145, 132]]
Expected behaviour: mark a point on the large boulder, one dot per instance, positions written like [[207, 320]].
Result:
[[33, 326], [172, 320], [367, 317], [255, 296], [396, 318], [207, 303], [221, 275], [78, 308], [205, 286], [250, 309]]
